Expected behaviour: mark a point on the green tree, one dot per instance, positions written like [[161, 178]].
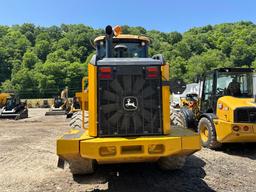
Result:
[[40, 61], [42, 49], [199, 64], [174, 37], [242, 54], [29, 59]]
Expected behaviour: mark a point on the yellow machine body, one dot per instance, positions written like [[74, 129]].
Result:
[[3, 98], [231, 117], [176, 141], [127, 149], [224, 124], [87, 144]]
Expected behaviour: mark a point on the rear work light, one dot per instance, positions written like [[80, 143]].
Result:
[[236, 128], [152, 72], [105, 73], [246, 128]]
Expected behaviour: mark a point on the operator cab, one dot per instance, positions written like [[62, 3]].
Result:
[[123, 46], [11, 102], [235, 82], [58, 102]]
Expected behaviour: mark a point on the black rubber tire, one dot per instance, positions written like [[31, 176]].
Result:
[[212, 142], [74, 115], [177, 118], [23, 114], [81, 166], [76, 120], [172, 162]]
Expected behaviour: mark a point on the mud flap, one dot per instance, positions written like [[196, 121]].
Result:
[[61, 163]]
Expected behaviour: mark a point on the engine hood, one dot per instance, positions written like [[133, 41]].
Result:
[[234, 102]]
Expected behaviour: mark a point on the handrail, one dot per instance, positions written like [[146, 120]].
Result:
[[83, 99]]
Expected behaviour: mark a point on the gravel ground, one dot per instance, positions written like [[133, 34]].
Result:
[[28, 163]]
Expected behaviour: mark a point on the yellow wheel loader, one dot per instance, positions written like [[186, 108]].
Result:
[[128, 113], [12, 107], [226, 109]]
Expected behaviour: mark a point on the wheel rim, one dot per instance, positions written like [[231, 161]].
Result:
[[204, 134]]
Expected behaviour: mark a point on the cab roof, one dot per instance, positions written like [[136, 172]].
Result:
[[235, 69], [125, 36]]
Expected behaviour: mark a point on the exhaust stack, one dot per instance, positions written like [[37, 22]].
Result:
[[109, 40]]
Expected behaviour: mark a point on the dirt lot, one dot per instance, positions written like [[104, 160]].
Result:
[[28, 163]]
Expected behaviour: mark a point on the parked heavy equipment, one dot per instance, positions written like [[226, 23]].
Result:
[[61, 105], [75, 107], [177, 100], [12, 107], [225, 111], [128, 114]]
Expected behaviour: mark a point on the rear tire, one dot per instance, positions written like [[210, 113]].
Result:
[[207, 134], [177, 118], [81, 166], [22, 115], [172, 162], [74, 115], [76, 120]]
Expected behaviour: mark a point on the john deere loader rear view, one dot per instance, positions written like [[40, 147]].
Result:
[[128, 115]]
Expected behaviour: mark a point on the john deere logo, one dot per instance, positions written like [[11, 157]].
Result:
[[130, 103]]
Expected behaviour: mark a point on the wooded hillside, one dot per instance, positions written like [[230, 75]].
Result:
[[39, 61]]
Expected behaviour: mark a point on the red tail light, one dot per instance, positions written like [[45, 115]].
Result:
[[152, 72], [105, 76], [152, 75], [246, 128], [152, 69], [105, 70], [105, 73]]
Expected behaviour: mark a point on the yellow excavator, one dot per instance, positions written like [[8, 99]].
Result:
[[12, 107], [127, 118], [225, 110]]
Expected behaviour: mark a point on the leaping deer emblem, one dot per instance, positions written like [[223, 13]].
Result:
[[130, 104]]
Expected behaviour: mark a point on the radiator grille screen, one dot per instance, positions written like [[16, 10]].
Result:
[[129, 103], [245, 115]]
